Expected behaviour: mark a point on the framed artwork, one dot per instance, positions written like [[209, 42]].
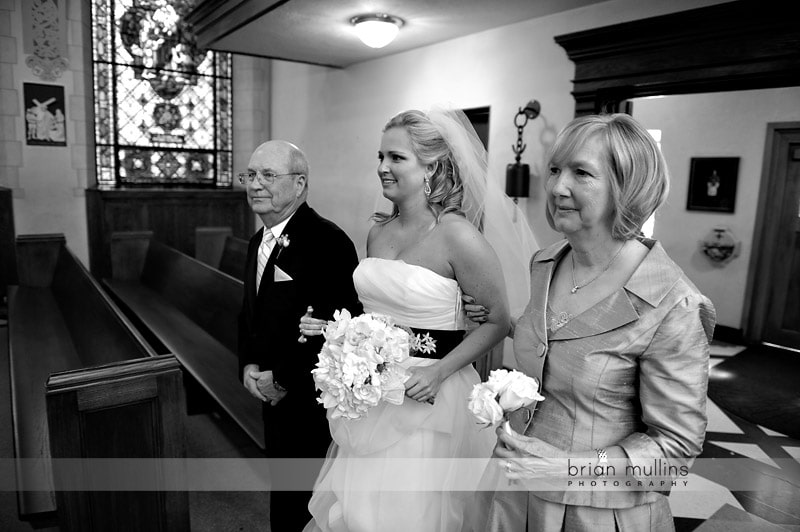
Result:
[[45, 115], [712, 184]]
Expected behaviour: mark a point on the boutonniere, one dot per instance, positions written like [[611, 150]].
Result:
[[283, 242]]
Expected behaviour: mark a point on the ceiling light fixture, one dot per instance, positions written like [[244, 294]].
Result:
[[376, 30]]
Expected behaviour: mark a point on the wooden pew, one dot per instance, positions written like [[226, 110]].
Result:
[[234, 256], [217, 247], [192, 309], [123, 410], [61, 320], [209, 243]]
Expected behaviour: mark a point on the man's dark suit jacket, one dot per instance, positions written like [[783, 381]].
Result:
[[320, 259]]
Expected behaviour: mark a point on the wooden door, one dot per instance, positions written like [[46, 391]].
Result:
[[775, 279], [783, 317]]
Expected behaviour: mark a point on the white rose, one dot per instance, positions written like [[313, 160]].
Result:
[[498, 380], [362, 326], [484, 406], [521, 390], [378, 338], [368, 394]]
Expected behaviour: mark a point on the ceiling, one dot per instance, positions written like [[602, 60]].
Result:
[[319, 32]]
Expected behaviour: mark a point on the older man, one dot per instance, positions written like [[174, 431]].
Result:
[[298, 259]]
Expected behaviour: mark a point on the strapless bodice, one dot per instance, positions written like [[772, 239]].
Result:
[[412, 295]]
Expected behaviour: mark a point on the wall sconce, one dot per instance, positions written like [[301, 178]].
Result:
[[518, 175], [376, 30], [720, 246]]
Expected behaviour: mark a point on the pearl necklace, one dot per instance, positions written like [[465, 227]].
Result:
[[576, 286]]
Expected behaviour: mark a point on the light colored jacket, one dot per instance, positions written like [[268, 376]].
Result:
[[630, 371]]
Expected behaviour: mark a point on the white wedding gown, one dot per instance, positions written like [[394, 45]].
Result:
[[389, 470]]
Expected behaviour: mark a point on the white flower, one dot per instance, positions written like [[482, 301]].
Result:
[[283, 241], [484, 406], [498, 380], [520, 390], [358, 364], [423, 344], [335, 330], [504, 392]]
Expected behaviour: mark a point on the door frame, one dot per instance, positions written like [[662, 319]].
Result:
[[765, 236]]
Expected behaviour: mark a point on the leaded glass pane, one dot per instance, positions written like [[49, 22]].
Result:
[[105, 166], [162, 105], [103, 110], [101, 30], [148, 166]]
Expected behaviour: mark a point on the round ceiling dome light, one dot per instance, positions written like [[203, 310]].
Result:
[[376, 30]]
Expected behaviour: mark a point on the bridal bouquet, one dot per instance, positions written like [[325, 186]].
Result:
[[359, 364], [504, 392]]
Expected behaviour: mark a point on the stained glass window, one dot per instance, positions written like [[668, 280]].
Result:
[[162, 106]]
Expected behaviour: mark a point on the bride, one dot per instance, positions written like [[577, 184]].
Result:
[[420, 257]]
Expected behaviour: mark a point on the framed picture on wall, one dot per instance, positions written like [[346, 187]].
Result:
[[712, 184], [45, 115]]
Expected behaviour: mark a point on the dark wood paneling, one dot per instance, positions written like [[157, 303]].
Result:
[[37, 256], [132, 409], [210, 243], [171, 215], [733, 46], [234, 257], [8, 254], [128, 251], [219, 249]]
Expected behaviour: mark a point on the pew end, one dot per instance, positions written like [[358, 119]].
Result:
[[105, 415], [217, 247], [209, 244]]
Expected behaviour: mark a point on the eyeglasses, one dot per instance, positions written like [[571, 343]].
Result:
[[265, 178]]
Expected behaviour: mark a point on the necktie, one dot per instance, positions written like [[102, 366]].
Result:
[[264, 249]]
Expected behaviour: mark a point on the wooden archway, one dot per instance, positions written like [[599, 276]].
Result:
[[733, 46]]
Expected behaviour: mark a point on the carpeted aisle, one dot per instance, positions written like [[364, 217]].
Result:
[[760, 384]]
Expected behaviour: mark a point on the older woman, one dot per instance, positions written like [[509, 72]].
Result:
[[617, 335]]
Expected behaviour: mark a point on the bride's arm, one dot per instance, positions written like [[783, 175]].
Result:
[[477, 313], [479, 273]]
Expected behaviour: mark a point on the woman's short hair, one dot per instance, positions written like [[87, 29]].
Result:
[[430, 147], [638, 171]]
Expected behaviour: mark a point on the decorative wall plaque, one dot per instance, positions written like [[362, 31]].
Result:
[[45, 37], [45, 115]]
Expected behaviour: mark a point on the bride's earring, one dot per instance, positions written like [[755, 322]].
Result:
[[427, 188]]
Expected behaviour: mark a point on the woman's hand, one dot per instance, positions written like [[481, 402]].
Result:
[[424, 383], [475, 312], [527, 457], [478, 314]]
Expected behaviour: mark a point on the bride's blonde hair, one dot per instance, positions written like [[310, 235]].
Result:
[[430, 147]]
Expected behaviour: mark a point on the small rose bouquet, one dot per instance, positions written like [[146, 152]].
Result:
[[359, 364], [505, 392]]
